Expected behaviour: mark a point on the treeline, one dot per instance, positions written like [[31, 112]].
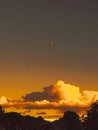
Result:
[[70, 121]]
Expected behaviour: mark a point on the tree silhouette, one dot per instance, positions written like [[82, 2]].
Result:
[[72, 121], [1, 110], [91, 120], [15, 121]]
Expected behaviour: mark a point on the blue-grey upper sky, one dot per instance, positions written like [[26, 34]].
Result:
[[27, 27]]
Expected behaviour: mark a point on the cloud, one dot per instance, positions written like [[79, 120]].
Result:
[[41, 113], [3, 100], [39, 96], [59, 96], [57, 92], [63, 93]]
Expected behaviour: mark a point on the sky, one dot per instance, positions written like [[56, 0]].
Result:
[[28, 63]]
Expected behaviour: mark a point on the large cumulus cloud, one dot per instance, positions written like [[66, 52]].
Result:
[[63, 93]]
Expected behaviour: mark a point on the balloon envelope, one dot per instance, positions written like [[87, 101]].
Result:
[[50, 44]]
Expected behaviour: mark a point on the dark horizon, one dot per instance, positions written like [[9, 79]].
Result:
[[70, 120]]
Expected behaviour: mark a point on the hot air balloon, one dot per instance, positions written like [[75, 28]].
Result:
[[51, 44]]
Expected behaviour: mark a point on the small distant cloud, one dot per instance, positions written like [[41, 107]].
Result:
[[26, 112], [41, 113]]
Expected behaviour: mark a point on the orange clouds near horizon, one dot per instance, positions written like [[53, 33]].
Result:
[[3, 100], [59, 96]]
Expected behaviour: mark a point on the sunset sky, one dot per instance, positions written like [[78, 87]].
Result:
[[28, 64]]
